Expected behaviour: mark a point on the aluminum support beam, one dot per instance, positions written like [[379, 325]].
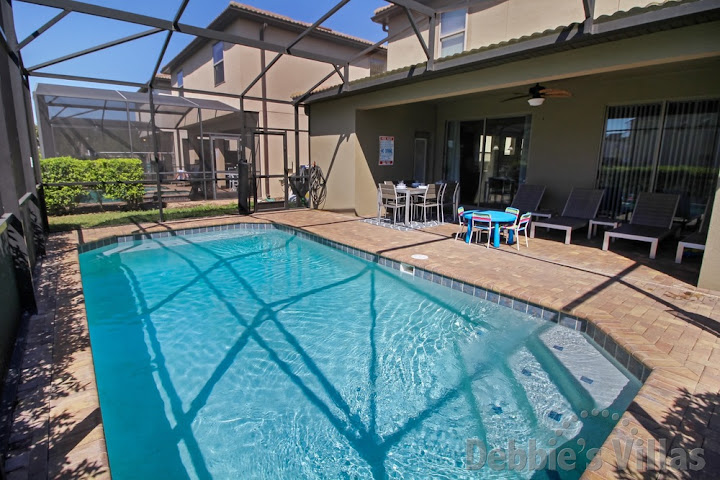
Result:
[[97, 48], [417, 33], [178, 14], [431, 40], [43, 29], [261, 74], [589, 7], [317, 23], [376, 45], [306, 32], [296, 112], [77, 78], [168, 25], [302, 98], [340, 74], [156, 152], [86, 79]]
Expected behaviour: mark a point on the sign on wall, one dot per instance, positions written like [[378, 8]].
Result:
[[387, 150]]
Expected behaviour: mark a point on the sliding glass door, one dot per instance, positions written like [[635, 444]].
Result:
[[669, 147], [488, 157]]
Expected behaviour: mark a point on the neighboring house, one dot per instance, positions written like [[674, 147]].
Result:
[[643, 114], [228, 68]]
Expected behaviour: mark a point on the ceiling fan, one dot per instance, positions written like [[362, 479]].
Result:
[[537, 94]]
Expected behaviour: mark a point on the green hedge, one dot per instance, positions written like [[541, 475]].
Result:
[[68, 169]]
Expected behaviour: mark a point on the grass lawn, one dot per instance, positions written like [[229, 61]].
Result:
[[106, 219]]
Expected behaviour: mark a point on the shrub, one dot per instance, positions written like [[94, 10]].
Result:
[[59, 170], [120, 169], [67, 169]]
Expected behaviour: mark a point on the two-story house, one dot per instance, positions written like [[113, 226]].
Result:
[[235, 69], [620, 95]]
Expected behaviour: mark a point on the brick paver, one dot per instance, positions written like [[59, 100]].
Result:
[[651, 308]]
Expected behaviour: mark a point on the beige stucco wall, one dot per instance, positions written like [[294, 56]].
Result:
[[290, 75], [403, 123], [405, 48], [493, 22], [565, 133], [333, 147], [710, 270]]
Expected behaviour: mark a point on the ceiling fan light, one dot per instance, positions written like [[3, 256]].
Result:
[[536, 101]]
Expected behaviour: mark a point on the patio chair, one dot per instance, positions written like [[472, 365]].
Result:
[[389, 199], [528, 197], [513, 211], [582, 205], [651, 220], [696, 241], [481, 223], [462, 221], [452, 191], [441, 202], [520, 226], [427, 200]]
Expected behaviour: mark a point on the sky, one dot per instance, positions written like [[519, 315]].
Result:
[[134, 61]]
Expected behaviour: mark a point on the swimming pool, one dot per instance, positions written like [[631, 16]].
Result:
[[261, 354]]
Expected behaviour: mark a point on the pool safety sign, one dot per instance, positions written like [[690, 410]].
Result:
[[387, 150]]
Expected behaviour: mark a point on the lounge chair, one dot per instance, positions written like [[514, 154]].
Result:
[[651, 220], [696, 241], [528, 197], [582, 205]]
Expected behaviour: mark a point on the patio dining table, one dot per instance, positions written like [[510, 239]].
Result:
[[409, 192], [498, 218]]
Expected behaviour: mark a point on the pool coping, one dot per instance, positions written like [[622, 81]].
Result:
[[665, 378]]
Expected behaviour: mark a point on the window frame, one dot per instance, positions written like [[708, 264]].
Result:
[[462, 32], [180, 78], [218, 63]]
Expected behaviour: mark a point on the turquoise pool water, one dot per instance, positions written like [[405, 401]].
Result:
[[249, 354]]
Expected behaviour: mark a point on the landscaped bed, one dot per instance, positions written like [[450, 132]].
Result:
[[105, 219]]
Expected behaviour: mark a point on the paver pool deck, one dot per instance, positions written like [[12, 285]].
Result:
[[651, 309]]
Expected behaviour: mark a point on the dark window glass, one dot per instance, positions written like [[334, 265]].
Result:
[[218, 63]]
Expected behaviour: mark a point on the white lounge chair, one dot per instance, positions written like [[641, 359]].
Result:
[[651, 220]]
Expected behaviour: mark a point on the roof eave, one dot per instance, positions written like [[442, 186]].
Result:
[[234, 12], [605, 29]]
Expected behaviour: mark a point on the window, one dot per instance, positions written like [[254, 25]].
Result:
[[218, 63], [452, 32], [669, 147], [377, 66], [180, 79]]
